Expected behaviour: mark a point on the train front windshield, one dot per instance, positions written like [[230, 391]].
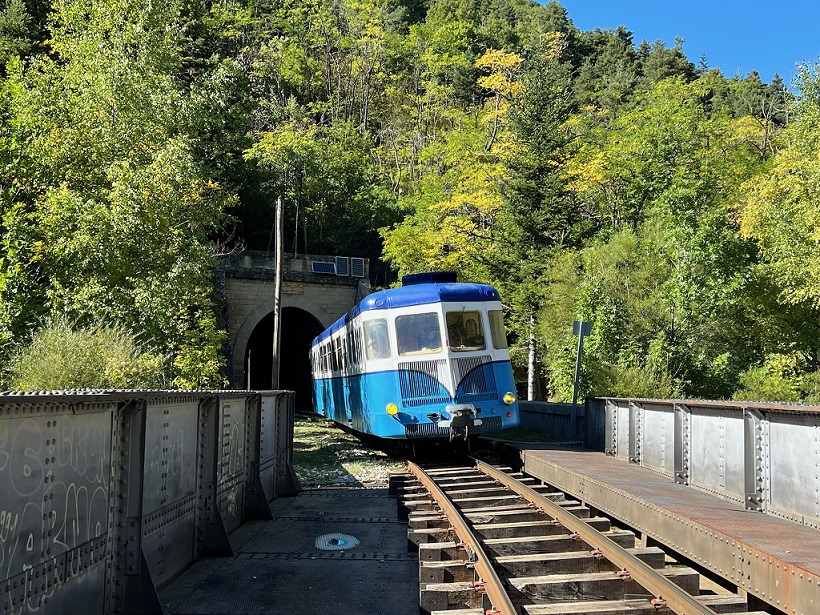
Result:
[[465, 331], [418, 334]]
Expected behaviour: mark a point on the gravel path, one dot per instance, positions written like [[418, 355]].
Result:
[[325, 456]]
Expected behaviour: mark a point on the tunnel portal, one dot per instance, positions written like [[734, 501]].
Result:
[[298, 330]]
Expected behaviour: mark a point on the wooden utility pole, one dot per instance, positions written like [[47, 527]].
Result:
[[581, 329], [277, 296]]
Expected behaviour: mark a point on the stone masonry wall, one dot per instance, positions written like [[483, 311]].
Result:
[[249, 288]]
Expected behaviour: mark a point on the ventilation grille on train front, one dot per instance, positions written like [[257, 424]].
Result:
[[421, 382], [476, 379]]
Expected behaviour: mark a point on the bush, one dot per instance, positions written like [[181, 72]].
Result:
[[810, 384], [625, 378], [61, 357], [778, 379]]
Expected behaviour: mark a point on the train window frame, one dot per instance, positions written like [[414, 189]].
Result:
[[404, 347], [360, 344], [458, 336], [377, 345], [335, 363], [351, 342], [497, 331]]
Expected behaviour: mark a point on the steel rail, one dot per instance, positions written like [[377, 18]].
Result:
[[677, 599], [493, 586]]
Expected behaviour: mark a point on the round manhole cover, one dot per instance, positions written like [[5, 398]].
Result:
[[336, 542]]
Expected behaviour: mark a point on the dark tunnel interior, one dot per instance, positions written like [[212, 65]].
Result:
[[298, 330]]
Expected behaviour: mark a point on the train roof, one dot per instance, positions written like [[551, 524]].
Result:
[[414, 294]]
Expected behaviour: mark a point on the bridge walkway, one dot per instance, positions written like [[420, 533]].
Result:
[[307, 560], [774, 560]]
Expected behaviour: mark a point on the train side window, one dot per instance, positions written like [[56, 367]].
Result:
[[465, 331], [376, 339], [334, 355], [359, 347], [355, 340], [418, 334], [497, 329]]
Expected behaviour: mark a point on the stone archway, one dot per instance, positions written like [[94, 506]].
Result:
[[264, 310], [322, 287], [298, 330]]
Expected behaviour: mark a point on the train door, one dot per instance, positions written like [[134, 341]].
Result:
[[345, 361], [337, 382], [377, 381], [354, 390]]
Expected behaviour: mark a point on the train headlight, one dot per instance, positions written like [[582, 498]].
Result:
[[392, 409], [509, 398]]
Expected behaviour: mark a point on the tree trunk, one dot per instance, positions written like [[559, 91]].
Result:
[[531, 362]]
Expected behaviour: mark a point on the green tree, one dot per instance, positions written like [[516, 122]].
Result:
[[112, 213], [656, 185], [780, 210], [452, 213], [610, 68], [659, 62], [17, 31]]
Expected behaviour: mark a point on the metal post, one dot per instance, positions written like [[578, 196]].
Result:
[[248, 370], [581, 329]]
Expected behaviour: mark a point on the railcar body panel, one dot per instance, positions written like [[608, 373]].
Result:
[[421, 361]]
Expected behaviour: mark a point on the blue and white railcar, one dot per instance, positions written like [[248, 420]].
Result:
[[426, 360]]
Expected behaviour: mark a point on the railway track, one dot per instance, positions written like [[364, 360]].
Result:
[[491, 541]]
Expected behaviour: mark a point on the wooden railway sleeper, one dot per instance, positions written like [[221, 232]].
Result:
[[493, 588], [598, 549], [677, 598]]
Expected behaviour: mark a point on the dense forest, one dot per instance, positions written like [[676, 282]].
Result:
[[585, 174]]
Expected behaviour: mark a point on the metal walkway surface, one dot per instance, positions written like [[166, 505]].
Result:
[[329, 552], [775, 560]]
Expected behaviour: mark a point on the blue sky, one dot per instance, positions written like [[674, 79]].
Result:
[[769, 37]]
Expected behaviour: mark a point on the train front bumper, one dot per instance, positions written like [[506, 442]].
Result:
[[461, 415]]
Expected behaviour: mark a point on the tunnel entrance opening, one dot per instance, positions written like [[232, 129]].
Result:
[[298, 330]]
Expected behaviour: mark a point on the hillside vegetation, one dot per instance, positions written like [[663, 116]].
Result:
[[585, 174]]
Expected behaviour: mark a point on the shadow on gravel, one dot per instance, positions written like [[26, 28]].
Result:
[[326, 456]]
